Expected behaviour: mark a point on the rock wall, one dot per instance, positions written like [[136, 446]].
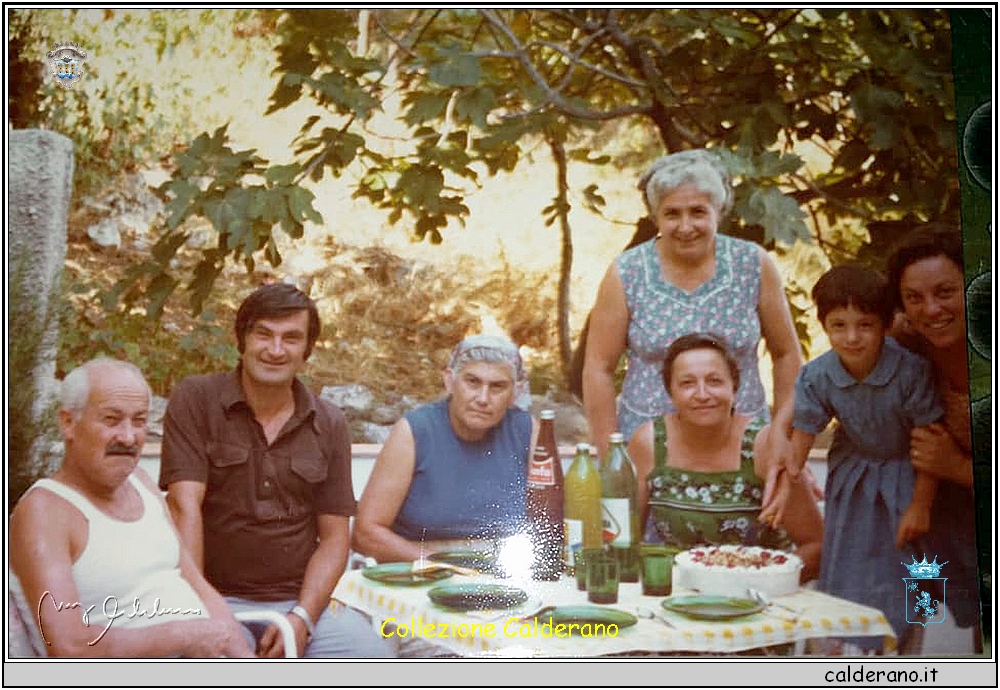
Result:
[[40, 184]]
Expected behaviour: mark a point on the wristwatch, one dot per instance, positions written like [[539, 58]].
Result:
[[301, 612]]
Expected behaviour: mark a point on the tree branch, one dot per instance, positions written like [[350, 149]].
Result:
[[552, 97], [318, 159]]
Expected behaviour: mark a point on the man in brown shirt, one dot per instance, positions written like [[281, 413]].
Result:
[[258, 474]]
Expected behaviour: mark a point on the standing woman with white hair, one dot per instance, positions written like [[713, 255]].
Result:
[[688, 278]]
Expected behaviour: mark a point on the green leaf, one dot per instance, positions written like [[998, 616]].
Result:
[[457, 70], [272, 254], [424, 107], [200, 287], [166, 247], [772, 164], [223, 211], [730, 27], [593, 201], [421, 185], [428, 227], [160, 288], [474, 105], [783, 219], [300, 205], [282, 174], [288, 90], [344, 147], [179, 207], [877, 107], [585, 155], [852, 155]]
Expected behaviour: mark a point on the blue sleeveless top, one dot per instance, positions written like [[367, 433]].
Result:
[[461, 489]]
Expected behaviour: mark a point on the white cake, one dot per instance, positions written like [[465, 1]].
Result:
[[729, 570]]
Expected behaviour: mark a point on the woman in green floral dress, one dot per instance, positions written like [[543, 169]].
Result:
[[698, 477]]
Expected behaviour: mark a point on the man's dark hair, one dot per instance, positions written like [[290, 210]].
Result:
[[275, 301], [700, 341], [933, 239], [853, 285]]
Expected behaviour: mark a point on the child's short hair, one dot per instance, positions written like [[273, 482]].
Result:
[[853, 285]]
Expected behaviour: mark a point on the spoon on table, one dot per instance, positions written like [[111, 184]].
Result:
[[643, 612], [764, 600]]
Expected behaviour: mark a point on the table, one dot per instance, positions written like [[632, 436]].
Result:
[[822, 616]]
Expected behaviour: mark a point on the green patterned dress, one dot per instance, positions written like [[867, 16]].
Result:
[[688, 508]]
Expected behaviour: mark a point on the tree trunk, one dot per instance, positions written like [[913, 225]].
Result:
[[566, 258]]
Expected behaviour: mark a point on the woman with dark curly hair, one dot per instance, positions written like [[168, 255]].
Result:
[[928, 285]]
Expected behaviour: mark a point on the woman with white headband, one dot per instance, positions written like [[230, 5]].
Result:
[[453, 471]]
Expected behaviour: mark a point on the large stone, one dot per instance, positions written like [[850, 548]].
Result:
[[157, 408], [40, 183], [352, 397], [373, 433], [106, 233]]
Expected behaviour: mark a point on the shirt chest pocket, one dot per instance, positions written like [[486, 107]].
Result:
[[310, 468], [228, 459], [230, 473], [295, 479]]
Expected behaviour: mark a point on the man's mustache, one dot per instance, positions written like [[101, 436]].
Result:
[[123, 449]]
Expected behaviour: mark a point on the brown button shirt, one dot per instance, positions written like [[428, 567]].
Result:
[[261, 501]]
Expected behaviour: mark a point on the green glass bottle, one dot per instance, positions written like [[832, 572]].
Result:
[[582, 488], [619, 512]]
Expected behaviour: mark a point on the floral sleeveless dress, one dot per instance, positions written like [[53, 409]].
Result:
[[688, 508], [660, 312]]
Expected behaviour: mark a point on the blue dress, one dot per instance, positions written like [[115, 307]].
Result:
[[660, 312], [869, 482], [463, 489]]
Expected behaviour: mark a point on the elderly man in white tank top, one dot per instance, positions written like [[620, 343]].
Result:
[[93, 548]]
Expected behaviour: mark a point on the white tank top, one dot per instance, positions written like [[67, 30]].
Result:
[[129, 571]]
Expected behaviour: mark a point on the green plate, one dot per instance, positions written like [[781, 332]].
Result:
[[473, 597], [585, 614], [402, 575], [712, 608], [483, 561]]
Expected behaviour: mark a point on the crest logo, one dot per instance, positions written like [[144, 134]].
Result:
[[921, 588], [66, 64]]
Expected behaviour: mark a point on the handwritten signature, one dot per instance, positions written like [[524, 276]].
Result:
[[111, 612]]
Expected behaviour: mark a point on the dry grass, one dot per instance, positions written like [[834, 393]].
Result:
[[392, 309], [391, 323]]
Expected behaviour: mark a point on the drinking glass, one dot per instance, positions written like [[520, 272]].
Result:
[[602, 578], [657, 564]]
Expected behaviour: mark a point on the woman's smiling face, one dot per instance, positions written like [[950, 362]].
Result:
[[702, 387], [687, 220], [933, 295]]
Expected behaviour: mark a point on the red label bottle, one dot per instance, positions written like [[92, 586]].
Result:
[[545, 503]]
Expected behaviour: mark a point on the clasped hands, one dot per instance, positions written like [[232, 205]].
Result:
[[784, 472]]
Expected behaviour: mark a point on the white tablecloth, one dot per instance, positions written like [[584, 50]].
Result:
[[821, 616]]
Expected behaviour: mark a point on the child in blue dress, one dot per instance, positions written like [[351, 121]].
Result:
[[877, 507]]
